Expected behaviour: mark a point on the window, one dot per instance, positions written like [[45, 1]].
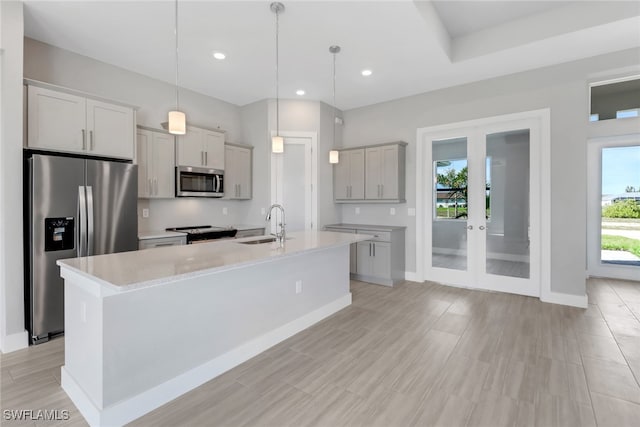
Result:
[[451, 188], [615, 100]]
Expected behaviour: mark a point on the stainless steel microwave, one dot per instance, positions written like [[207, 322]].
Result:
[[199, 182]]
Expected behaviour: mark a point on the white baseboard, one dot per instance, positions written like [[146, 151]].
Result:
[[128, 410], [411, 276], [580, 301], [14, 342]]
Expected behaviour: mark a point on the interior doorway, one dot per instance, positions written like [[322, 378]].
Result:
[[294, 181], [613, 216]]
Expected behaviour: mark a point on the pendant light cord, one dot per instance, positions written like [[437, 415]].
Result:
[[277, 75], [334, 98], [176, 37]]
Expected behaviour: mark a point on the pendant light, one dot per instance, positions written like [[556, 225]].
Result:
[[334, 155], [177, 119], [277, 142]]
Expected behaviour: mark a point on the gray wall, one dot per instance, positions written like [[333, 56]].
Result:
[[154, 97], [562, 88], [12, 330]]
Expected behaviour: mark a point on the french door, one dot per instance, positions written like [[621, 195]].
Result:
[[481, 187], [613, 231]]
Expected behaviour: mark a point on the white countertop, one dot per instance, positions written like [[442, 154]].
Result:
[[132, 270]]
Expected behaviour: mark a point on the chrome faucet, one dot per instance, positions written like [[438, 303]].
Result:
[[280, 236]]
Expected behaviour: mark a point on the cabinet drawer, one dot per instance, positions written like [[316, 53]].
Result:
[[377, 236], [160, 242]]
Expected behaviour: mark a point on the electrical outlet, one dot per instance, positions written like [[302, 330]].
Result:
[[263, 211], [357, 211], [392, 211], [298, 286], [145, 213], [225, 211], [411, 211]]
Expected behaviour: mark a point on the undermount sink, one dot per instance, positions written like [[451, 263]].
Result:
[[259, 241]]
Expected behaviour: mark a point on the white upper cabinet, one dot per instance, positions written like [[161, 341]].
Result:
[[349, 176], [110, 129], [201, 148], [156, 164], [383, 172], [375, 174], [66, 122], [238, 172]]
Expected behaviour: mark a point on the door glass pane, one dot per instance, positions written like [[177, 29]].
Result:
[[620, 226], [449, 192], [507, 203]]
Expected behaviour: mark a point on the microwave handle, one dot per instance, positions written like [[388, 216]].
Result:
[[218, 183]]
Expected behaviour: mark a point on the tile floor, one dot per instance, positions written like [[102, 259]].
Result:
[[416, 354]]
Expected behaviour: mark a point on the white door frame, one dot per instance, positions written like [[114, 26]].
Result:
[[540, 160], [594, 207], [311, 177]]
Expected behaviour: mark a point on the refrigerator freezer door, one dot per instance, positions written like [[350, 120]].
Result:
[[53, 210], [113, 188]]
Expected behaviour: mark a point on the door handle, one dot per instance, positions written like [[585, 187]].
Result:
[[481, 227], [89, 220], [206, 158], [84, 139], [374, 249], [155, 186], [82, 221], [469, 227], [91, 140], [202, 158], [150, 187]]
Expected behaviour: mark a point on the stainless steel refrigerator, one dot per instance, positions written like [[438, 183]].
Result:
[[76, 207]]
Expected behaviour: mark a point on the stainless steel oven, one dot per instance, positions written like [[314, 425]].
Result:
[[199, 182]]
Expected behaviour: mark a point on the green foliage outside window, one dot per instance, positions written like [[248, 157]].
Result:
[[622, 209]]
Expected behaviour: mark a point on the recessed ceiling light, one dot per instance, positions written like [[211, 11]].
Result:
[[300, 92], [367, 73], [219, 55]]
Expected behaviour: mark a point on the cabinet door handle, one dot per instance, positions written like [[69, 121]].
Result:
[[206, 158], [84, 139], [202, 158], [374, 249], [369, 249], [381, 190], [155, 186], [91, 140], [150, 187]]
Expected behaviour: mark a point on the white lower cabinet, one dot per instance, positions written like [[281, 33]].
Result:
[[380, 259]]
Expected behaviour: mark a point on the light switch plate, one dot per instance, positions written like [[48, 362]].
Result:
[[263, 211], [411, 211], [298, 286], [145, 213], [392, 211], [225, 211], [357, 211]]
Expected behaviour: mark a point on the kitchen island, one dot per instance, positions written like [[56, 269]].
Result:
[[142, 328]]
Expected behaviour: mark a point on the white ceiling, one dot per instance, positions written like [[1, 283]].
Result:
[[411, 46]]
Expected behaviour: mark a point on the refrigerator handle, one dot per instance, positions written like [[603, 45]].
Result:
[[82, 221], [89, 220]]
